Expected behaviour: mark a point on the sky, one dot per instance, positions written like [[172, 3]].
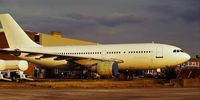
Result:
[[175, 22]]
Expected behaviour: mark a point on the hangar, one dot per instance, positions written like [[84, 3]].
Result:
[[52, 39]]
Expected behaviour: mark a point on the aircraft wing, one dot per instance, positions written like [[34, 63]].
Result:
[[55, 56]]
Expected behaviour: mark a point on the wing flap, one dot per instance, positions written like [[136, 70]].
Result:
[[32, 55]]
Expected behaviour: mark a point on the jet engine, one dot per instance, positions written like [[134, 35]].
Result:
[[13, 65], [106, 68]]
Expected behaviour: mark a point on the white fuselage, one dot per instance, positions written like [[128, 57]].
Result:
[[134, 56]]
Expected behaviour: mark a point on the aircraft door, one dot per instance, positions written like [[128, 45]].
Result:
[[103, 54], [159, 52], [158, 57]]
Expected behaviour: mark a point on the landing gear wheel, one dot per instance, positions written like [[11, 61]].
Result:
[[17, 80]]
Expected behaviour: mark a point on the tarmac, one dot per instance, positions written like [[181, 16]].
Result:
[[100, 94], [141, 89]]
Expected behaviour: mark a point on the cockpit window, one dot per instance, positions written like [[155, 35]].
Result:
[[177, 51]]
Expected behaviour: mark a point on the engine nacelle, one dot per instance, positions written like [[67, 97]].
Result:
[[13, 65], [106, 69]]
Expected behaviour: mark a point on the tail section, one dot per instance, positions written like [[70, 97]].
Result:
[[15, 36]]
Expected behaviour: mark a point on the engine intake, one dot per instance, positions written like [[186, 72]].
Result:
[[106, 69]]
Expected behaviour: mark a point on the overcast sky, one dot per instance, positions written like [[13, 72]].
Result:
[[175, 22]]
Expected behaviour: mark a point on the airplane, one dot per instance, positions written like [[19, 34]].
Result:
[[103, 59]]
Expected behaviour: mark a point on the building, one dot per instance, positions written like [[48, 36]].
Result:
[[194, 62], [190, 69], [58, 40]]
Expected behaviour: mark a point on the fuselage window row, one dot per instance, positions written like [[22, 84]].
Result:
[[78, 53], [139, 52], [117, 52]]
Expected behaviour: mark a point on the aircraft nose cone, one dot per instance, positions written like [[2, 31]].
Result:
[[186, 57]]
